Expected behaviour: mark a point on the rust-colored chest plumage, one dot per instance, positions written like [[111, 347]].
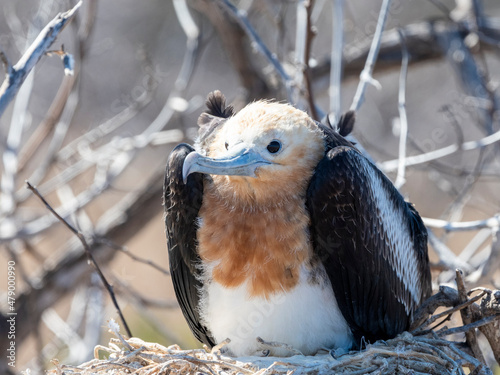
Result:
[[263, 246]]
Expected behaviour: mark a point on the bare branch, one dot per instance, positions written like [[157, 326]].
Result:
[[366, 75], [492, 222], [143, 302], [472, 77], [42, 43], [421, 41], [53, 115], [468, 327], [118, 224], [403, 120], [134, 257], [474, 244], [234, 38], [10, 155], [334, 91], [305, 35], [57, 109], [392, 165], [86, 246], [192, 44], [493, 262], [448, 312], [240, 17], [445, 297], [446, 256], [466, 314], [78, 168]]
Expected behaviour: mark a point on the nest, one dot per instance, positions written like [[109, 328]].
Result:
[[424, 351], [404, 354]]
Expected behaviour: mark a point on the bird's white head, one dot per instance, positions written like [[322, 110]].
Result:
[[267, 148]]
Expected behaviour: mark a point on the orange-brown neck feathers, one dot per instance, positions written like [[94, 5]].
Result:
[[264, 247]]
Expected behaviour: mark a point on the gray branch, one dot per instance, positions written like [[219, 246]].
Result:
[[366, 74], [18, 73]]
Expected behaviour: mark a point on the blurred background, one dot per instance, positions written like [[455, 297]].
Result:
[[95, 143]]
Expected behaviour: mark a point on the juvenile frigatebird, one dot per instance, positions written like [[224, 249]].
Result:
[[279, 228]]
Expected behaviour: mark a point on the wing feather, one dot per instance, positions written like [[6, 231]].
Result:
[[372, 243], [182, 204]]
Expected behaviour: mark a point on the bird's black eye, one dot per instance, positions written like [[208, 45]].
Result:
[[226, 145], [274, 146]]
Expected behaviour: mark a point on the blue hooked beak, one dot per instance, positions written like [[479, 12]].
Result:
[[240, 161]]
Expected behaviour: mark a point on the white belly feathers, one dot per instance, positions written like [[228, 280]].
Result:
[[306, 317]]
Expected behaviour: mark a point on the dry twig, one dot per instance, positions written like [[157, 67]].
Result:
[[91, 258], [304, 38], [403, 120], [18, 73], [465, 312], [366, 75], [240, 17]]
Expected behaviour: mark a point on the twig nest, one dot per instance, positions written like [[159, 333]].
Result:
[[404, 354]]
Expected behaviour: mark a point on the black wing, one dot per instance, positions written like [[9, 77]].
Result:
[[182, 203], [372, 243]]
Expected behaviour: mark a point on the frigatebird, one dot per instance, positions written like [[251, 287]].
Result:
[[279, 228]]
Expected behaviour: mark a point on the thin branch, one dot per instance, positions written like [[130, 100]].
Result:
[[48, 123], [366, 75], [421, 40], [234, 40], [303, 42], [492, 223], [450, 311], [181, 83], [469, 250], [42, 43], [143, 305], [86, 246], [14, 139], [192, 44], [13, 85], [466, 315], [460, 200], [468, 327], [493, 262], [126, 144], [445, 297], [118, 224], [184, 17], [403, 120], [336, 65], [240, 17], [472, 76], [446, 256], [134, 257], [392, 165], [85, 141], [139, 299], [58, 135], [58, 106], [300, 49], [478, 366]]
